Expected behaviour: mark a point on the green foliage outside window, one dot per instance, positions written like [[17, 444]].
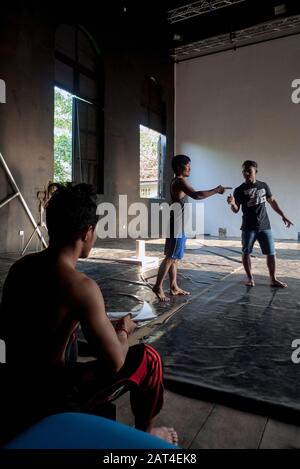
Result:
[[62, 136]]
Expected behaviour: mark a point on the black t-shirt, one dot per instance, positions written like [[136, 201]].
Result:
[[252, 198]]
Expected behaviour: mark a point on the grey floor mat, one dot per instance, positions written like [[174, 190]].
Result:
[[237, 340]]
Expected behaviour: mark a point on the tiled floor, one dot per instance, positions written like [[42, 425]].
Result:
[[205, 425]]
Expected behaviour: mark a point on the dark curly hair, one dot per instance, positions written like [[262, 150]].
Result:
[[178, 162], [248, 163], [70, 210]]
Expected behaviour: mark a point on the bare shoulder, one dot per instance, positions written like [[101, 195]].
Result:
[[23, 265], [180, 186], [26, 260], [80, 284], [186, 188], [177, 183], [83, 293]]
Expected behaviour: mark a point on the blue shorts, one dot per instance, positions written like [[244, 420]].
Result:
[[264, 237], [174, 247]]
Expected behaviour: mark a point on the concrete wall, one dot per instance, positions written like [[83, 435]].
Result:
[[124, 78], [26, 120], [234, 106]]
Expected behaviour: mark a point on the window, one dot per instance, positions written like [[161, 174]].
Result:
[[63, 124], [79, 129], [152, 141], [152, 156]]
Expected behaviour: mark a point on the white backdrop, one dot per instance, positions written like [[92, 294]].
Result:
[[236, 105]]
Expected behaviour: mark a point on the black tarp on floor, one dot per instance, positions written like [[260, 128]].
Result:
[[200, 270], [224, 339], [237, 341]]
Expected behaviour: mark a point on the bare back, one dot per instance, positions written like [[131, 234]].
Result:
[[176, 189], [36, 318]]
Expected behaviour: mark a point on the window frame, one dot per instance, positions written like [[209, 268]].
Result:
[[98, 77]]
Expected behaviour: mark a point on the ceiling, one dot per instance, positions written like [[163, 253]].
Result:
[[205, 27], [238, 14], [187, 29], [198, 28]]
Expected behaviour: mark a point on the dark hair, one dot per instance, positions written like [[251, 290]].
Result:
[[69, 211], [248, 163], [178, 162]]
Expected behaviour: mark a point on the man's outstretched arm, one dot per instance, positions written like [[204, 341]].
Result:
[[272, 201], [200, 195], [99, 331]]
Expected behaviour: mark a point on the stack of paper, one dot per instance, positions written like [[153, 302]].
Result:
[[145, 313]]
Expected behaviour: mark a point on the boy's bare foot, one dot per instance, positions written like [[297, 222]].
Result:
[[159, 292], [178, 291], [166, 433], [250, 282], [277, 284]]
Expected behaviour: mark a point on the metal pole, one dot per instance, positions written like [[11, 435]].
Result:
[[18, 193], [5, 201]]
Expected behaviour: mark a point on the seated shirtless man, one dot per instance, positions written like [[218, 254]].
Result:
[[44, 301]]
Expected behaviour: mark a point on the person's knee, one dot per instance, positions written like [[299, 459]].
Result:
[[247, 248], [271, 257], [135, 355], [246, 255], [266, 242], [170, 261], [269, 251]]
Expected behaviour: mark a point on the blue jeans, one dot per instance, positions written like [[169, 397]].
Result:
[[264, 237]]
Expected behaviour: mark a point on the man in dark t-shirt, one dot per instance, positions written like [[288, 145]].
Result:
[[252, 195]]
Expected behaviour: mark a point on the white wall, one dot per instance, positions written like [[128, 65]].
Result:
[[234, 106]]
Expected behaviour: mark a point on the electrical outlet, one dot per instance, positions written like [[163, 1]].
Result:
[[222, 232], [280, 9]]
